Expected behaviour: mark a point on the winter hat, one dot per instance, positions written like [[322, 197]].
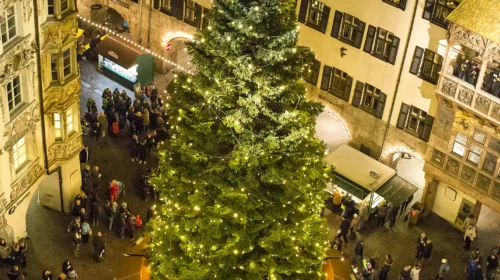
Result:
[[444, 260], [356, 215]]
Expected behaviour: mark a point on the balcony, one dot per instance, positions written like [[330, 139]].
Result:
[[469, 97]]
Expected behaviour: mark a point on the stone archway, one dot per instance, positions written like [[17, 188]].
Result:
[[409, 166], [110, 18], [175, 50], [332, 129]]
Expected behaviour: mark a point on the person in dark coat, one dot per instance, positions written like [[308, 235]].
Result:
[[421, 242], [111, 117], [358, 252], [86, 177], [139, 123], [142, 151], [13, 273], [97, 131], [94, 211], [405, 204], [76, 208], [99, 246], [131, 119], [47, 275], [426, 253], [85, 155], [65, 266], [405, 274], [388, 262], [150, 143], [348, 207], [134, 150], [393, 214], [382, 211], [491, 266], [344, 228]]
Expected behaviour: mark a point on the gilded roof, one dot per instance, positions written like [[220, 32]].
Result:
[[479, 16]]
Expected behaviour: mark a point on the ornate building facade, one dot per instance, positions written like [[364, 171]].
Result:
[[40, 136]]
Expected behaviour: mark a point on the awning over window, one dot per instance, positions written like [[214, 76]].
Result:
[[118, 52], [396, 190]]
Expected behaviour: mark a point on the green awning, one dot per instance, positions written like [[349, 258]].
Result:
[[396, 190], [350, 187]]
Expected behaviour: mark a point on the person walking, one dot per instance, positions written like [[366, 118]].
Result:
[[363, 214], [491, 266], [469, 236], [405, 204], [415, 271], [122, 219], [471, 269], [99, 246], [134, 150], [344, 228], [426, 253], [421, 242], [381, 213], [65, 266], [358, 252], [388, 262], [393, 214], [77, 239], [113, 191], [103, 120], [47, 275], [13, 273], [444, 270]]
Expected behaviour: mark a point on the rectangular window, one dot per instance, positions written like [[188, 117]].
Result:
[[459, 145], [397, 3], [475, 152], [53, 66], [370, 98], [338, 83], [383, 43], [426, 64], [349, 27], [438, 10], [190, 12], [69, 121], [8, 25], [14, 93], [57, 125], [311, 76], [50, 7], [67, 62], [19, 151], [489, 163], [479, 136], [315, 15], [64, 5], [416, 122], [166, 5]]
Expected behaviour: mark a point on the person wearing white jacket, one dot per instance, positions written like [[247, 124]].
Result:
[[470, 234], [415, 271]]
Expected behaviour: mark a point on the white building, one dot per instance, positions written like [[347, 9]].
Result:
[[40, 135]]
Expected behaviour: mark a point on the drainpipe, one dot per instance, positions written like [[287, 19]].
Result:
[[139, 41], [41, 105], [149, 21], [398, 81]]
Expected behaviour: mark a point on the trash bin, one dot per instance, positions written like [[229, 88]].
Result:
[[415, 213]]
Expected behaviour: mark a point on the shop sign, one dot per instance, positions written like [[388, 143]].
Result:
[[14, 207], [113, 54], [168, 47], [121, 3]]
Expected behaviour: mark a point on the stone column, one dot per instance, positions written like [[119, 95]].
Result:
[[429, 194], [477, 209]]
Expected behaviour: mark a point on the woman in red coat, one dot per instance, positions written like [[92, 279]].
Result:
[[113, 191]]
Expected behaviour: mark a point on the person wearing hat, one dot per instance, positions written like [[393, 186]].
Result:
[[444, 270]]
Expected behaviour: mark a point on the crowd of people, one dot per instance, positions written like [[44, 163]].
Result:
[[355, 218]]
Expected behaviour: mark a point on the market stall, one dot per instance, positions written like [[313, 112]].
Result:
[[336, 267], [367, 179], [124, 63]]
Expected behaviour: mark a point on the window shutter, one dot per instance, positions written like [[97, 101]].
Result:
[[379, 111], [337, 22], [416, 61], [358, 93], [324, 19], [360, 31], [370, 37], [315, 72], [394, 51], [303, 10], [429, 7], [426, 134], [347, 89], [402, 4], [156, 4], [197, 16], [325, 80], [177, 8], [403, 115]]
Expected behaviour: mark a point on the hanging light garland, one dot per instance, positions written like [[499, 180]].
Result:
[[128, 41]]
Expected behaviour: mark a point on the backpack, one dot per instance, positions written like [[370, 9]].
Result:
[[116, 129], [447, 268]]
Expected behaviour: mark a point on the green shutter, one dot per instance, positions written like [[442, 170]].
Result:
[[358, 94]]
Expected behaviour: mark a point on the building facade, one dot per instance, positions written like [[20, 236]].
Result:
[[40, 137]]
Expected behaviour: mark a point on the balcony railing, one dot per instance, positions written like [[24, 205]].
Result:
[[464, 94]]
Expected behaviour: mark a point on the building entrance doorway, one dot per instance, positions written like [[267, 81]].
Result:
[[331, 130], [411, 169]]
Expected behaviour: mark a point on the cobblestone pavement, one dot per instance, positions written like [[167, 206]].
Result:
[[52, 244]]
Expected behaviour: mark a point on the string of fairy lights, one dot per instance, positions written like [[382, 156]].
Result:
[[125, 40]]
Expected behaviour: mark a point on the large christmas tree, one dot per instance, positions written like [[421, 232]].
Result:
[[242, 178]]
